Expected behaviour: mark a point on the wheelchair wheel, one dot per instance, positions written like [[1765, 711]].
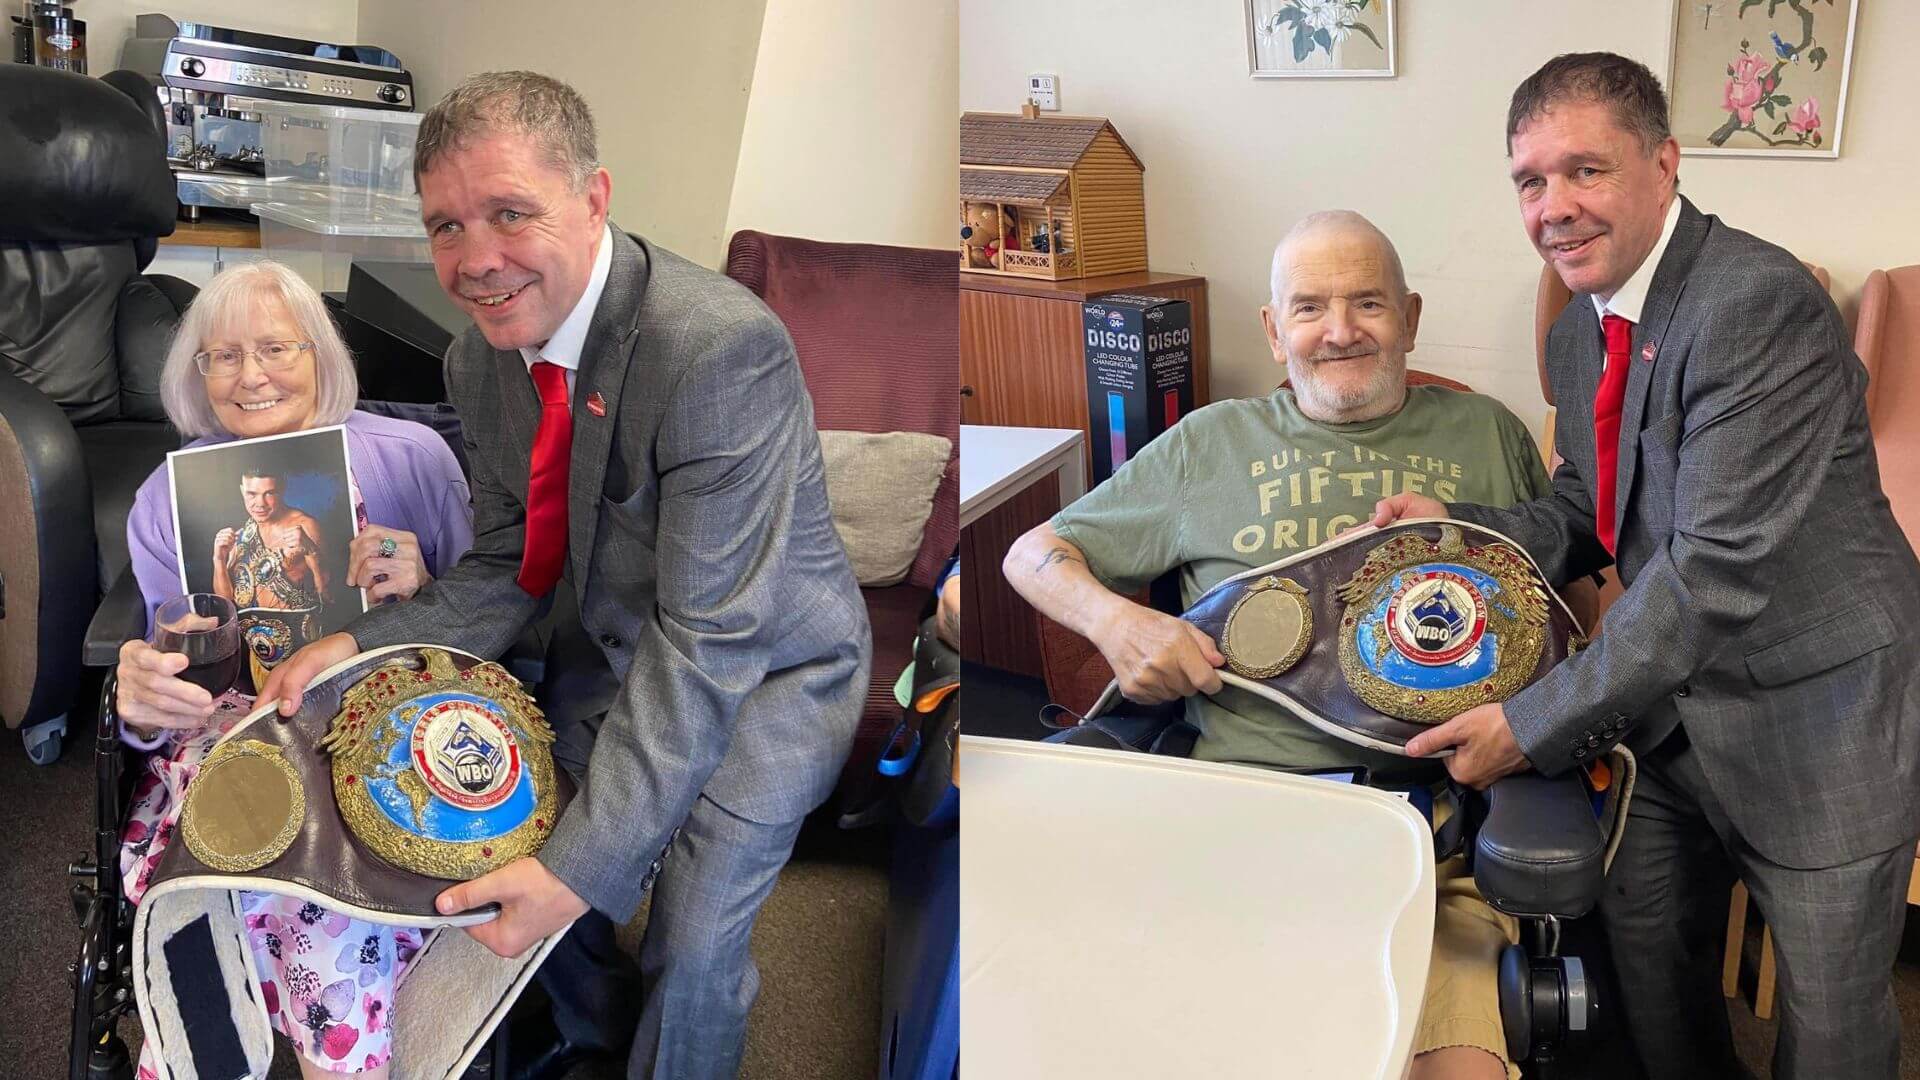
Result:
[[1546, 1004], [110, 1060], [102, 993]]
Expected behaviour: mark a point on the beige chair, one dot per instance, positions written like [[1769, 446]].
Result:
[[1888, 341]]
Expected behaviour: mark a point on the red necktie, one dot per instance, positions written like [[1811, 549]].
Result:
[[1606, 423], [546, 549]]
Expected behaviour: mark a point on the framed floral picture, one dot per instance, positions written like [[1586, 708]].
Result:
[[1289, 39], [1760, 77]]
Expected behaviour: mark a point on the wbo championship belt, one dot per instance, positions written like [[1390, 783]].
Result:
[[270, 635], [1378, 634], [405, 769]]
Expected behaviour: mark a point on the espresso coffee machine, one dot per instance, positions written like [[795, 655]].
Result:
[[208, 76]]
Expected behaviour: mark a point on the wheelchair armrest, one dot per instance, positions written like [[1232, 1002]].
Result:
[[121, 617], [1151, 729], [526, 658], [1540, 850]]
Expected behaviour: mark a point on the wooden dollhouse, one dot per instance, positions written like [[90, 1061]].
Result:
[[1049, 197]]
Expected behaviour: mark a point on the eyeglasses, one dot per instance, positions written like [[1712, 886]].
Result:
[[273, 356]]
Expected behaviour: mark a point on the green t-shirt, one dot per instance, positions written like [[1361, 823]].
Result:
[[1242, 483]]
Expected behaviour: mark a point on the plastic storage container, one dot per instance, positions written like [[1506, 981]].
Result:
[[320, 242], [356, 163]]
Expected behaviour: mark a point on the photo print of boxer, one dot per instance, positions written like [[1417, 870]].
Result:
[[266, 523]]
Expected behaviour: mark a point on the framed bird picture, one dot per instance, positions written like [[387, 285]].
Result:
[[1760, 78], [1289, 39]]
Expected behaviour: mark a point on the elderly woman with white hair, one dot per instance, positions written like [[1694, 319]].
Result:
[[257, 355]]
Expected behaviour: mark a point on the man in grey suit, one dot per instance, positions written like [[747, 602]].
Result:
[[637, 426], [1714, 428]]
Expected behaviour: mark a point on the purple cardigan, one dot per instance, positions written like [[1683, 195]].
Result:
[[407, 476]]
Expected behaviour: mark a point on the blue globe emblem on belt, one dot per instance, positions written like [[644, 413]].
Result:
[[453, 770], [442, 763], [1429, 629]]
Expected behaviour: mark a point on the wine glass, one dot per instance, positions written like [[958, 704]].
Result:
[[206, 627]]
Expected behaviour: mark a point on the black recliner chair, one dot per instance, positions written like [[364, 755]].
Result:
[[83, 336]]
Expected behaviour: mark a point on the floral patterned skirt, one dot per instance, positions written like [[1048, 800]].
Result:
[[327, 979]]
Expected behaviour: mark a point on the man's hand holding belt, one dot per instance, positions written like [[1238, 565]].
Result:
[[1156, 656], [533, 904]]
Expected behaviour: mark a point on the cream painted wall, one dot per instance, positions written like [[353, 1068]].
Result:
[[667, 80], [1233, 161], [109, 22], [850, 132]]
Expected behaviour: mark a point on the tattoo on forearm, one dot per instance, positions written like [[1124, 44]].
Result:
[[1057, 554]]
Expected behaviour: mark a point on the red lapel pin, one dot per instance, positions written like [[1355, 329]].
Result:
[[1647, 351], [597, 405]]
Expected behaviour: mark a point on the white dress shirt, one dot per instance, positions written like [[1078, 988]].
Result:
[[1631, 298], [564, 347]]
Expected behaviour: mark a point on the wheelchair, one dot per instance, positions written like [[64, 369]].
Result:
[[102, 974], [1538, 848]]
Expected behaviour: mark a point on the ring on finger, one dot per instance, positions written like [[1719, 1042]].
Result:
[[388, 547]]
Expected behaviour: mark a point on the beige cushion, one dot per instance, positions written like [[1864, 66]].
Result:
[[881, 490]]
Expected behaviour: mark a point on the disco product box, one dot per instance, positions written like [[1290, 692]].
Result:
[[1139, 352]]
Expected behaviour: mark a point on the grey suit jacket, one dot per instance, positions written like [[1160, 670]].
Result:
[[1766, 580], [700, 547]]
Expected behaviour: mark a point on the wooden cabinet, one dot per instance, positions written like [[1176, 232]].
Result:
[[1021, 361], [1022, 365], [997, 627]]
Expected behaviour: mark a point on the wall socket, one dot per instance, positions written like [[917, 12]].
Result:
[[1044, 91]]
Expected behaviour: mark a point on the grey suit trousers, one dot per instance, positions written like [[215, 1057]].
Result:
[[1836, 931], [697, 980], [686, 1008]]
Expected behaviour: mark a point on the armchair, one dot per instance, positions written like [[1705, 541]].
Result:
[[877, 330], [83, 335], [1888, 341]]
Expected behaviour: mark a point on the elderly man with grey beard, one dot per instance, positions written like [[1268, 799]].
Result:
[[1241, 483]]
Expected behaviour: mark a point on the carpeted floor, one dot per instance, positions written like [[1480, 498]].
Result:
[[818, 942]]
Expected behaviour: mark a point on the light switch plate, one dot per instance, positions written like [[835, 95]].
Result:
[[1044, 91]]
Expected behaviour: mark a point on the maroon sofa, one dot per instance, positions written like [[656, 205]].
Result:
[[877, 330]]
